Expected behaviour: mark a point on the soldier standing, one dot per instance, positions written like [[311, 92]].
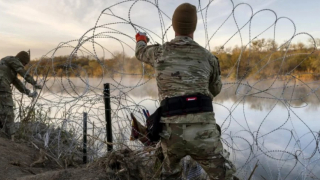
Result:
[[10, 66], [188, 78]]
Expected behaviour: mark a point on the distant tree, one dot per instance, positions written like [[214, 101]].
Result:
[[314, 42], [259, 44], [301, 46], [271, 45]]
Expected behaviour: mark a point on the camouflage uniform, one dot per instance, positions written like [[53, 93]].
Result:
[[9, 68], [183, 67]]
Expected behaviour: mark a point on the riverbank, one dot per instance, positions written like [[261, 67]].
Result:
[[21, 160]]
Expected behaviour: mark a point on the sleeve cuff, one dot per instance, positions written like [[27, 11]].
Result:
[[141, 43]]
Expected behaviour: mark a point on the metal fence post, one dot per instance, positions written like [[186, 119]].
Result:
[[106, 93], [85, 118]]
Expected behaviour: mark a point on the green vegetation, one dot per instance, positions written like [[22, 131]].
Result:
[[87, 65], [264, 59]]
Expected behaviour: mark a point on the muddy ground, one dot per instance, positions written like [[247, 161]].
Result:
[[17, 160], [21, 160]]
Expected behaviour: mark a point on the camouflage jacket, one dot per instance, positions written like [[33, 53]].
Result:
[[9, 68], [182, 67]]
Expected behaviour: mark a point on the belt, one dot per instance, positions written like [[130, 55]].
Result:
[[188, 104]]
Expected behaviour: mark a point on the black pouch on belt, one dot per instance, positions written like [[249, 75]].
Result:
[[154, 126], [189, 104], [180, 105]]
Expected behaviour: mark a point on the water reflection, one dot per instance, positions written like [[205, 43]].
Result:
[[276, 123], [260, 95], [273, 122]]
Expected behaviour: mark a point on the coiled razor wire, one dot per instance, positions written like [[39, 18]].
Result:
[[283, 142]]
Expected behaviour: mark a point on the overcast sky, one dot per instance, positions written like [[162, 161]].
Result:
[[40, 25]]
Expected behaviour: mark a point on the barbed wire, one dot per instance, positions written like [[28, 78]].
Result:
[[282, 134]]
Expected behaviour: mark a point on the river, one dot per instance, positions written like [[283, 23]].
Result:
[[275, 122]]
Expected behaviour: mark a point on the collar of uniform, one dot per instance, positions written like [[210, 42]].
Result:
[[183, 40], [177, 38]]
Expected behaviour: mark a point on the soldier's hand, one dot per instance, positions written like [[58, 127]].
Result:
[[34, 94], [38, 86]]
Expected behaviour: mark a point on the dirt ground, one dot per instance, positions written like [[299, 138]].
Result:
[[16, 159], [21, 160]]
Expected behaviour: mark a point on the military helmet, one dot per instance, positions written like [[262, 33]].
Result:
[[23, 57]]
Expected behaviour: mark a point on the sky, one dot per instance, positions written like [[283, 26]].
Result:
[[40, 25]]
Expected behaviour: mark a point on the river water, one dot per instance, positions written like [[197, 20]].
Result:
[[276, 123], [273, 122]]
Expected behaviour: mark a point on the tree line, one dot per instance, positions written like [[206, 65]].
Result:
[[264, 58], [61, 66]]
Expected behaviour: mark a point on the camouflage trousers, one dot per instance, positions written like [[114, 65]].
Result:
[[202, 143], [7, 120]]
